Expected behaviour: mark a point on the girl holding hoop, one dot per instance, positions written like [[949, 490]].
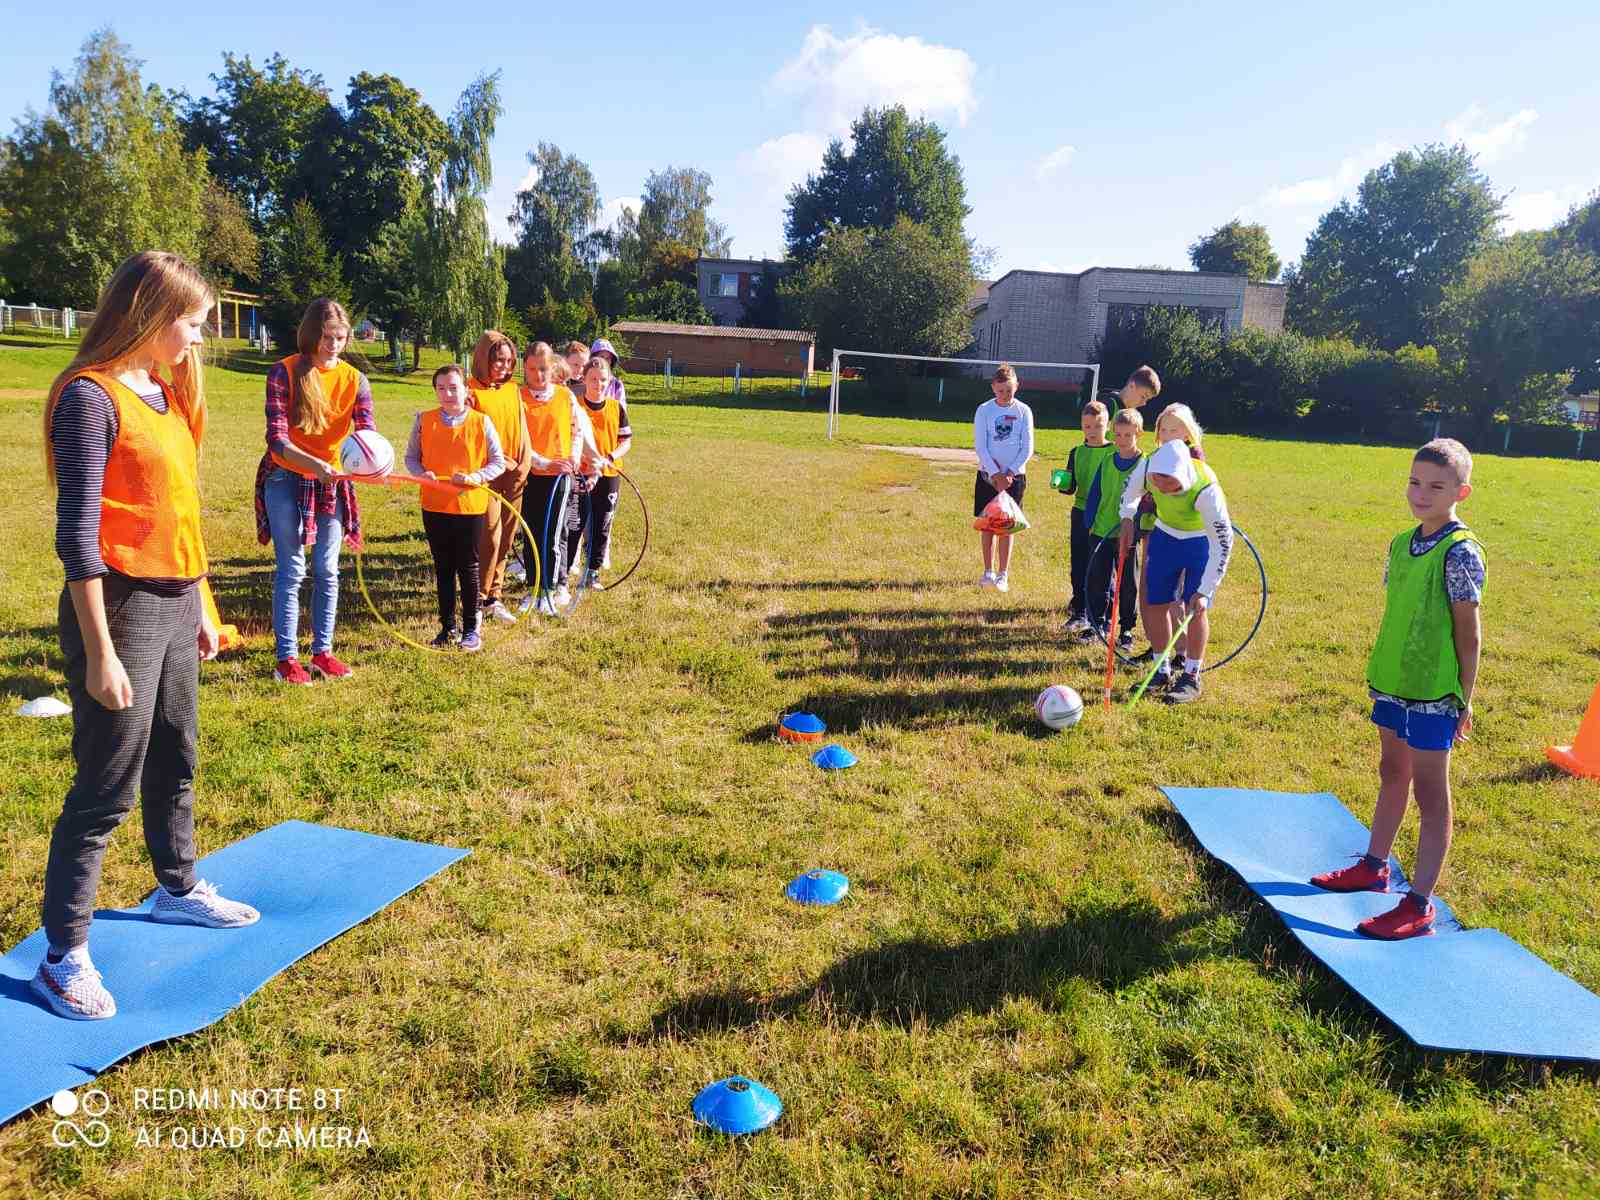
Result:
[[314, 401], [122, 427], [607, 411]]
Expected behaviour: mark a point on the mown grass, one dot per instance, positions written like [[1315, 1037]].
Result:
[[1038, 985]]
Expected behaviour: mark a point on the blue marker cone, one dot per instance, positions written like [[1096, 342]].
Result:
[[736, 1105], [801, 727], [818, 887], [834, 757]]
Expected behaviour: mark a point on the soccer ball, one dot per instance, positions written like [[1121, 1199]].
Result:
[[1058, 707], [366, 454]]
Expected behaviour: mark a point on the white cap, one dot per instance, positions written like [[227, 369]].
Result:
[[1172, 458]]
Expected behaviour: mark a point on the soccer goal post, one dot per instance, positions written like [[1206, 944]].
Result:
[[840, 355]]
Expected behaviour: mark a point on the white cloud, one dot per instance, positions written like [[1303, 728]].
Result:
[[529, 178], [611, 210], [1056, 160], [834, 77], [781, 162], [1541, 210], [1493, 142], [1313, 196]]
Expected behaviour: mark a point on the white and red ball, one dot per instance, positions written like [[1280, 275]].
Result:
[[366, 454], [1058, 707]]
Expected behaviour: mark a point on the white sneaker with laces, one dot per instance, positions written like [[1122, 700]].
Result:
[[1079, 625], [986, 579], [201, 906], [525, 605], [499, 612], [562, 597], [1001, 583], [72, 988], [546, 606]]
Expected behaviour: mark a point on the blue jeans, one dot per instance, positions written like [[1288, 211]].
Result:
[[288, 543]]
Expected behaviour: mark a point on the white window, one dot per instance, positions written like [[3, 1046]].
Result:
[[725, 284]]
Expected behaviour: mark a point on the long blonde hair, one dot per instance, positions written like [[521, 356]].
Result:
[[308, 403], [1183, 415], [145, 295], [483, 356]]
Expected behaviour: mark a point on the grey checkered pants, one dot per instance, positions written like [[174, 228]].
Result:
[[148, 748]]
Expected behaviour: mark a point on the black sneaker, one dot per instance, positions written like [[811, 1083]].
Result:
[[1125, 641], [445, 636], [1185, 691]]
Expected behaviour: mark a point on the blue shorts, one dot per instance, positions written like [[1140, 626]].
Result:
[[1172, 565], [1420, 731]]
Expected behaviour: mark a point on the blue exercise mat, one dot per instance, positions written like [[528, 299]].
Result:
[[310, 882], [1460, 990]]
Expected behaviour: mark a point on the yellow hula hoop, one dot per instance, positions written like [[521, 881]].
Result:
[[533, 546]]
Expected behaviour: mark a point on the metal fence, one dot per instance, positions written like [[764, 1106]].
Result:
[[53, 322]]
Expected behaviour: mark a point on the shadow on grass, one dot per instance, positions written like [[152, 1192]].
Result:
[[908, 982], [401, 586], [721, 586]]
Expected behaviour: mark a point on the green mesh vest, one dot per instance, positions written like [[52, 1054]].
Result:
[[1179, 512], [1415, 655]]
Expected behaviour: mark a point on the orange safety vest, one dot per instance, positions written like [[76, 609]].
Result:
[[340, 385], [503, 406], [150, 498], [550, 423], [607, 420], [446, 451]]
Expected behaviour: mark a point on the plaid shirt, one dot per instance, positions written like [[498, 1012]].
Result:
[[316, 498]]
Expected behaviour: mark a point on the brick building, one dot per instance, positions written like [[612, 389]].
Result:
[[1053, 316], [713, 349], [725, 284]]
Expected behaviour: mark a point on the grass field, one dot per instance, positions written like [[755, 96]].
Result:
[[1038, 985]]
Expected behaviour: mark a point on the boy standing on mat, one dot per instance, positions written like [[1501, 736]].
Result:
[[1420, 678], [1083, 467]]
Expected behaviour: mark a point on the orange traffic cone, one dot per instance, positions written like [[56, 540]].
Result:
[[1583, 756]]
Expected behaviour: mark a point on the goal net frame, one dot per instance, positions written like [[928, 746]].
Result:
[[833, 386]]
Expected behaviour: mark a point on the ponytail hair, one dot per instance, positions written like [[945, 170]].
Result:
[[144, 296], [308, 403]]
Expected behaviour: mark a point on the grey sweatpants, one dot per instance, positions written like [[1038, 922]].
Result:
[[147, 748]]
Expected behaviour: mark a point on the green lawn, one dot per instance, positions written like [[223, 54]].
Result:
[[1038, 986]]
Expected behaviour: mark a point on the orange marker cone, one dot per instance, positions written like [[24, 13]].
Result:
[[1583, 756], [227, 635]]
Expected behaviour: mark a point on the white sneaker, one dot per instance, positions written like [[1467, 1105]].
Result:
[[525, 605], [516, 572], [546, 607], [71, 988], [202, 906], [1001, 584], [591, 582], [499, 612], [1078, 625], [986, 579], [562, 598]]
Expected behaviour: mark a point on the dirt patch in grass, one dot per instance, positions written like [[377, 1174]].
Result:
[[937, 454]]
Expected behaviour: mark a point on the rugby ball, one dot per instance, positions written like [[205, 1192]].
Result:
[[366, 454], [1058, 707]]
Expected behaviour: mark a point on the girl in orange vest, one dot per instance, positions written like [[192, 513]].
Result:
[[557, 433], [314, 401], [460, 444], [495, 393], [607, 411], [122, 445]]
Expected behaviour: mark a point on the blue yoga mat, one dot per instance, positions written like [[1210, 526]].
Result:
[[311, 883], [1460, 990]]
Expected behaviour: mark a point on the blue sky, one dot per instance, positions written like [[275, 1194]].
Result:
[[1104, 134]]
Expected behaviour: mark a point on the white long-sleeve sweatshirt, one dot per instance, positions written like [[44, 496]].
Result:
[[1003, 437]]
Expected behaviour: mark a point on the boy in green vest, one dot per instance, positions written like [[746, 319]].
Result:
[[1102, 508], [1420, 677], [1083, 465]]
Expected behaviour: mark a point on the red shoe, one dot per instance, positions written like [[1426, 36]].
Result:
[[1358, 877], [1404, 920], [290, 671], [330, 667]]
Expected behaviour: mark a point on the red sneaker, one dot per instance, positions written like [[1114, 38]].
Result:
[[1358, 877], [290, 671], [1404, 920], [330, 667]]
